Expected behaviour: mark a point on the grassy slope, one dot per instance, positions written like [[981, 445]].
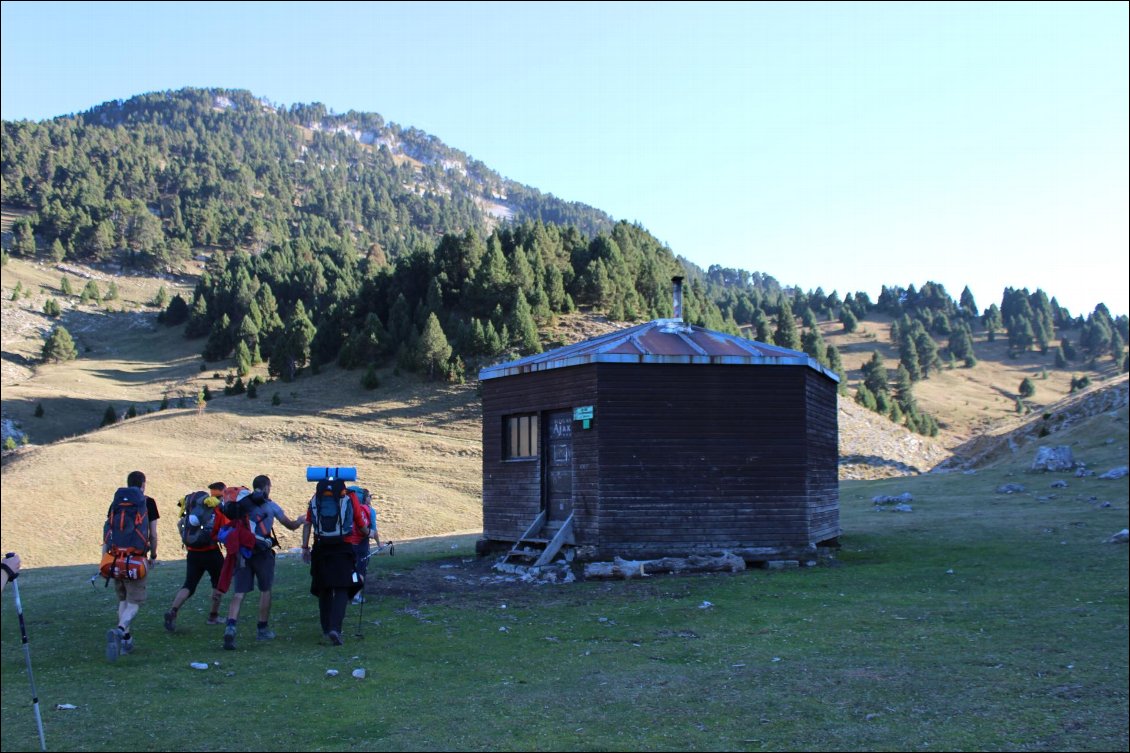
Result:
[[416, 447]]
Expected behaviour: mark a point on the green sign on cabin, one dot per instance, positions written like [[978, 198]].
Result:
[[584, 415]]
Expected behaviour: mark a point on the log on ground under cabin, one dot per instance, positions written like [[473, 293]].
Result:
[[622, 568]]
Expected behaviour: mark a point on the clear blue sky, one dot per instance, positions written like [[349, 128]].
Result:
[[839, 145]]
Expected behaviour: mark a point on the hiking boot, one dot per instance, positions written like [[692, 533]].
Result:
[[113, 644], [229, 638], [265, 634], [170, 621], [127, 645], [214, 619], [358, 599], [335, 638]]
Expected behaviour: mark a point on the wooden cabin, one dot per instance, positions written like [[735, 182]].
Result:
[[662, 439]]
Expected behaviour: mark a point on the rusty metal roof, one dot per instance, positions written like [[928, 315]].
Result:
[[663, 341]]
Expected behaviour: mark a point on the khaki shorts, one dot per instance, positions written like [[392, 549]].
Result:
[[133, 591]]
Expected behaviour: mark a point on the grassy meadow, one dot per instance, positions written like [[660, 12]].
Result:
[[978, 621]]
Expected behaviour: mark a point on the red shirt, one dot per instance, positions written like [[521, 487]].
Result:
[[360, 520]]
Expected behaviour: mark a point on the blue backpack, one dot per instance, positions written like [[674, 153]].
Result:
[[331, 510]]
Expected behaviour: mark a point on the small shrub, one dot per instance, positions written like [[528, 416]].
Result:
[[370, 380]]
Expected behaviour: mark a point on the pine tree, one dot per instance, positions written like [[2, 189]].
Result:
[[836, 364], [51, 308], [434, 350], [1116, 346], [242, 359], [904, 390], [992, 321], [968, 305], [928, 359], [110, 416], [90, 293], [909, 358], [1027, 388], [865, 397], [59, 346], [762, 331], [522, 328], [812, 342], [370, 381], [786, 335], [875, 374], [65, 286], [199, 323]]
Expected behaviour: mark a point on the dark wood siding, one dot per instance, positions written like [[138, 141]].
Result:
[[512, 494], [823, 461], [679, 458], [695, 456]]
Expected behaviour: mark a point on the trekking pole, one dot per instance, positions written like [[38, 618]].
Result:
[[27, 657], [360, 612]]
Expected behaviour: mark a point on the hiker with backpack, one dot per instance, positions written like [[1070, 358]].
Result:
[[200, 520], [358, 538], [253, 516], [129, 534], [333, 515]]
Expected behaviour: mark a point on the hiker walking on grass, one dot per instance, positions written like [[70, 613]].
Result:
[[129, 534], [255, 512], [200, 520], [332, 515], [359, 536]]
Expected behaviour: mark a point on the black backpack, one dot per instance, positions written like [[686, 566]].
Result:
[[127, 522], [199, 535]]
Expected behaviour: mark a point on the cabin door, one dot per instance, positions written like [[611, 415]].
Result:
[[558, 486]]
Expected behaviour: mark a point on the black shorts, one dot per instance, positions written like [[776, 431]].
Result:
[[198, 563]]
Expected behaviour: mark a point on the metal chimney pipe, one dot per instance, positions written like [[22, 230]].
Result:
[[677, 282]]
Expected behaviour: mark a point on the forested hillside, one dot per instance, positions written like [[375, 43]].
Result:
[[343, 238]]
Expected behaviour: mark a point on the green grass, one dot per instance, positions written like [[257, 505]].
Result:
[[976, 622]]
